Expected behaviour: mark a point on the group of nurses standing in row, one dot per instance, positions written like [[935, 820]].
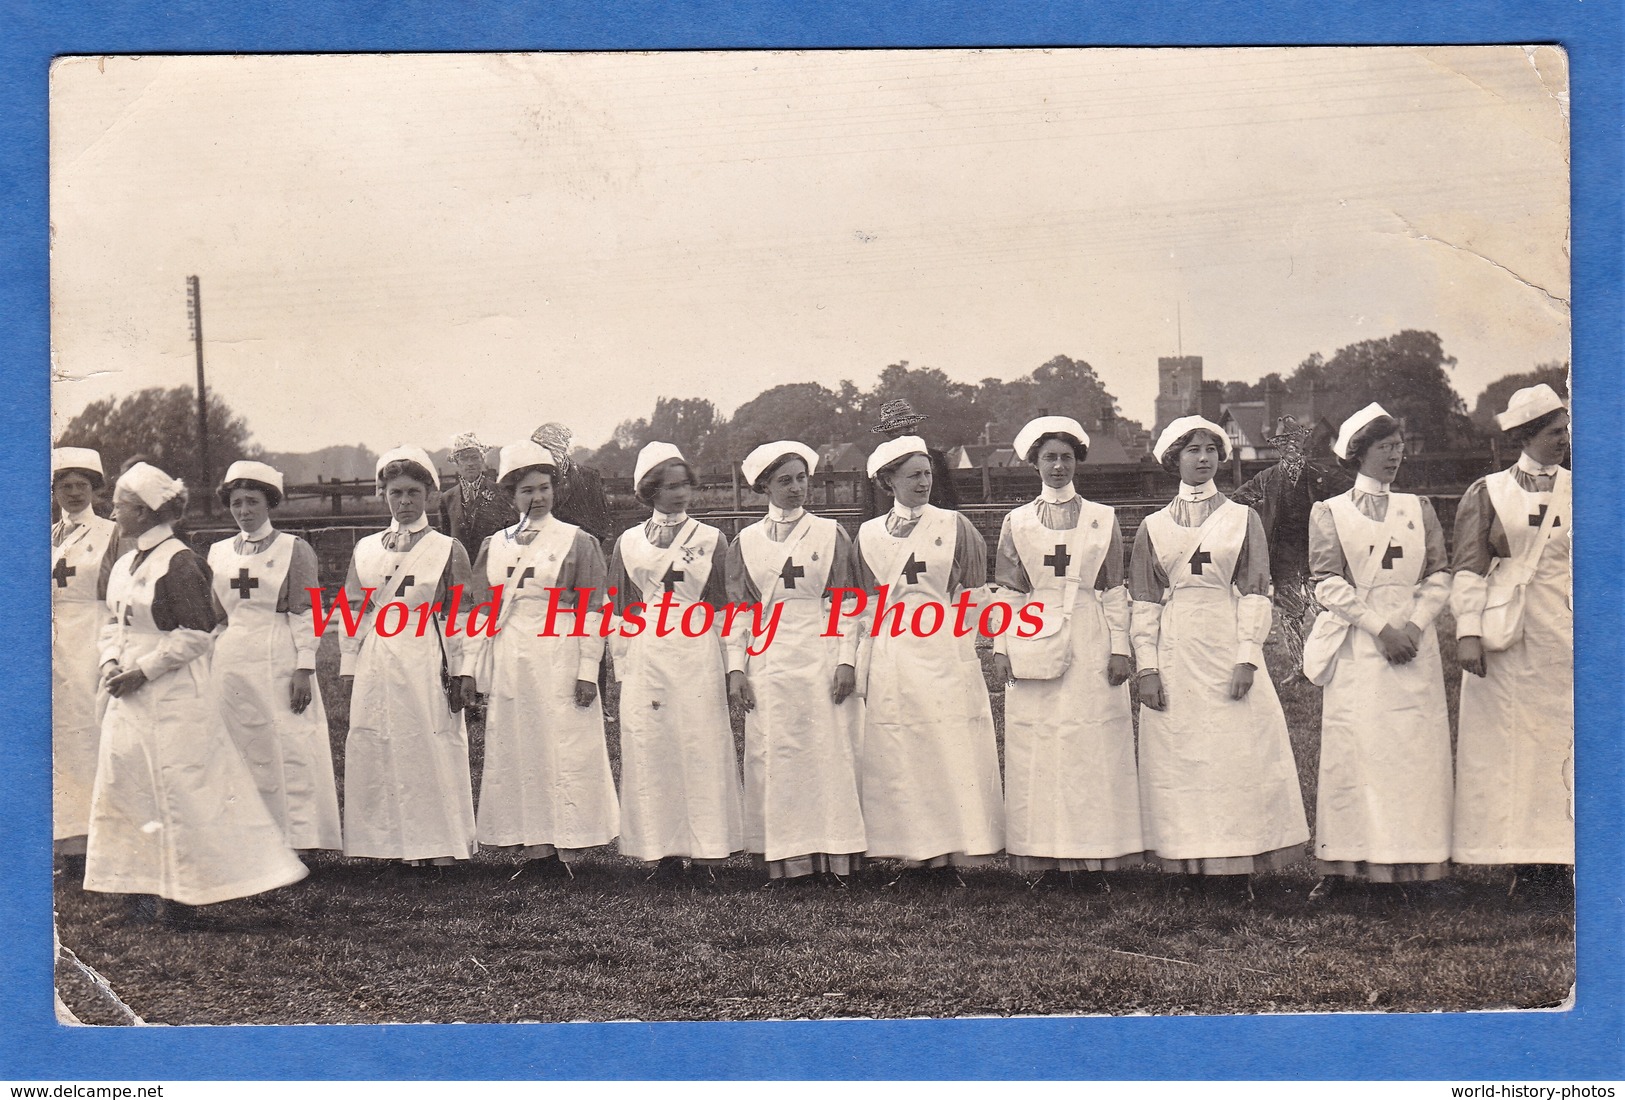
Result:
[[862, 745]]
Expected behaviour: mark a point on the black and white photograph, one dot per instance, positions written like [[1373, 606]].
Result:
[[786, 535]]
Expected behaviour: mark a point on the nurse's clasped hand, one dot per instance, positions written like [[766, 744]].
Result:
[[1397, 645]]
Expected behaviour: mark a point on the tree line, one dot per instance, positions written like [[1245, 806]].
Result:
[[1408, 372]]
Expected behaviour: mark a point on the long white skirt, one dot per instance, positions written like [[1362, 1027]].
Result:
[[407, 791], [929, 771], [289, 754], [680, 791], [801, 782], [547, 781], [175, 811], [1384, 796], [1515, 748], [1071, 788], [75, 726], [1217, 776]]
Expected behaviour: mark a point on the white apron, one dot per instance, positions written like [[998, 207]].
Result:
[[929, 765], [1385, 785], [76, 620], [547, 779], [407, 791], [1515, 747], [175, 811], [1071, 790], [1217, 777], [679, 776], [254, 661], [801, 784]]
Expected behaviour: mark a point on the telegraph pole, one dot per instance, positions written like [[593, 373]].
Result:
[[194, 313]]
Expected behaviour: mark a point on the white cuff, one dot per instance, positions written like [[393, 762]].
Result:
[[1372, 623], [154, 664]]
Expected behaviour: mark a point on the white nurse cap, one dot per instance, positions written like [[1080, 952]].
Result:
[[244, 470], [410, 454], [518, 456], [652, 455], [150, 485], [894, 449], [1529, 403], [768, 453], [1170, 435], [1045, 425], [1345, 434]]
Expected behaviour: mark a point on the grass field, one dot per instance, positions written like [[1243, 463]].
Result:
[[492, 941]]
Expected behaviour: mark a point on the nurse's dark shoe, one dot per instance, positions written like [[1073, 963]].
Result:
[[1231, 888], [181, 918], [142, 909], [1328, 887], [668, 872]]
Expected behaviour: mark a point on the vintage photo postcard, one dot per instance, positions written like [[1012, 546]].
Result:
[[804, 535]]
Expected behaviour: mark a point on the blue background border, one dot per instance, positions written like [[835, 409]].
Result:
[[1585, 1043]]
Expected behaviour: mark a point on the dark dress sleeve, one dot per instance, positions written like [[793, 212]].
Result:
[[1474, 543], [620, 582], [104, 572], [716, 582], [1007, 568], [1146, 580], [970, 556], [1252, 574], [183, 608], [294, 600], [584, 571], [1111, 566], [181, 597]]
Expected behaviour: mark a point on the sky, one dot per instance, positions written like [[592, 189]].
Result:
[[395, 248]]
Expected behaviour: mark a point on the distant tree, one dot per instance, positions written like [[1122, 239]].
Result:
[[1070, 387], [848, 411], [1495, 395], [1063, 386], [610, 460], [804, 411], [691, 423], [1405, 373], [950, 408], [1237, 392], [162, 424]]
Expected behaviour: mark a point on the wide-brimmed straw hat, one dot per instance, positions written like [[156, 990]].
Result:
[[897, 416]]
